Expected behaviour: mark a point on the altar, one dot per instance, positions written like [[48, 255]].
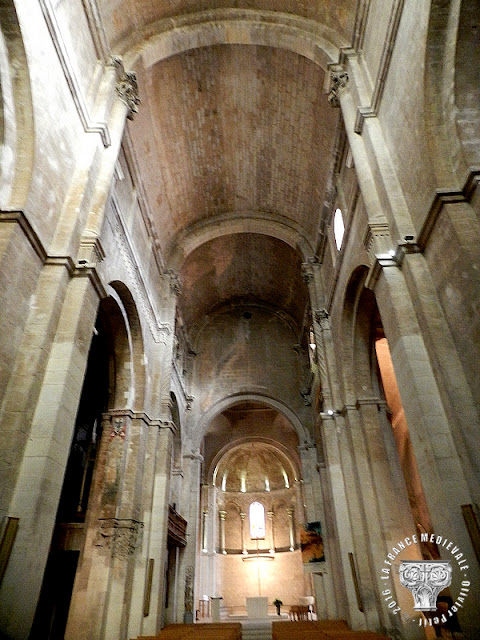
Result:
[[257, 607]]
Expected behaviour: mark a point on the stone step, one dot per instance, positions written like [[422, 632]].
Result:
[[260, 634], [257, 630]]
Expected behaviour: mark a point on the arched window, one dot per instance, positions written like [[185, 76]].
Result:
[[338, 228], [257, 520]]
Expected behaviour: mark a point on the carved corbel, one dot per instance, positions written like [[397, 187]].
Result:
[[338, 82], [174, 281], [127, 87], [307, 272], [322, 318], [118, 427]]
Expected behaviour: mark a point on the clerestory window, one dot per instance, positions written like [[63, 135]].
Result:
[[338, 228]]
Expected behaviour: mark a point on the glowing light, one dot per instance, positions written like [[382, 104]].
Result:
[[243, 484], [338, 228], [257, 520]]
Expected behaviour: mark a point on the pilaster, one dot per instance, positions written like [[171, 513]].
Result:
[[41, 471], [187, 596], [171, 291], [434, 441], [338, 465], [206, 578], [158, 529]]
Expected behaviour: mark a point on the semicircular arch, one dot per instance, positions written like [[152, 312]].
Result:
[[229, 224], [284, 452], [161, 40], [353, 293], [450, 94], [221, 405], [128, 308]]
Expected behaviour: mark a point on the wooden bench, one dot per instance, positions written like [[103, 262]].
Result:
[[285, 627], [320, 630], [203, 631]]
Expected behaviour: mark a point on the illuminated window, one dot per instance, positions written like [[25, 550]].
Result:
[[257, 520], [243, 483], [338, 228]]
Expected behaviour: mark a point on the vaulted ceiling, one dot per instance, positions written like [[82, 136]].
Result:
[[234, 138]]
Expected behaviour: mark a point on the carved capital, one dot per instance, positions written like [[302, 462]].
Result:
[[338, 83], [91, 250], [322, 317], [118, 426], [307, 272], [193, 456], [121, 536], [173, 280], [307, 397], [377, 239], [127, 87]]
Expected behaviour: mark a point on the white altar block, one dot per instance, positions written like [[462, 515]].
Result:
[[216, 608], [257, 607]]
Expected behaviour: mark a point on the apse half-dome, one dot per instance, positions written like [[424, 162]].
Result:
[[254, 467]]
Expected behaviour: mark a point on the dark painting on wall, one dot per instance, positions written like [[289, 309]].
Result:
[[311, 543]]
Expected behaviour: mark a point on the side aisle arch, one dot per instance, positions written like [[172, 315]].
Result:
[[16, 113], [451, 91]]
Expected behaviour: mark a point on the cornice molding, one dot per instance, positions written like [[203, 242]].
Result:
[[89, 123], [81, 269], [90, 272], [447, 196], [371, 110], [119, 416], [18, 217]]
